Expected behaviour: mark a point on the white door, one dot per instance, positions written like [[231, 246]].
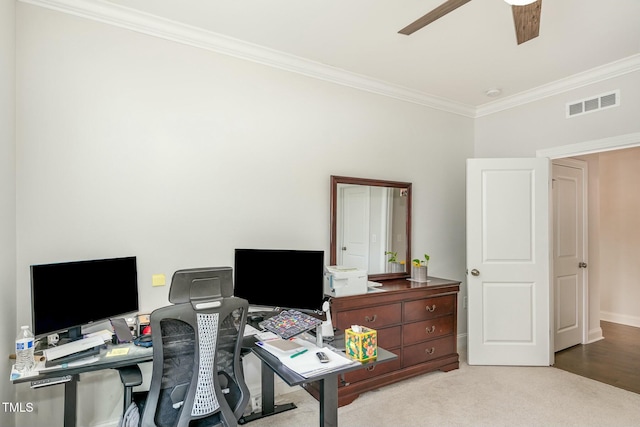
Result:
[[354, 243], [569, 254], [508, 259]]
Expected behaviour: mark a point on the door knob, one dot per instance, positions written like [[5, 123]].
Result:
[[475, 272], [582, 265], [344, 248]]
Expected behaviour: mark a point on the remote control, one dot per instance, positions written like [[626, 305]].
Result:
[[323, 357]]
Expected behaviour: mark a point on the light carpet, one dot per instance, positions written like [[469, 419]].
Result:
[[477, 396]]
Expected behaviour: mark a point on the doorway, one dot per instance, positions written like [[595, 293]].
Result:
[[583, 150], [609, 239]]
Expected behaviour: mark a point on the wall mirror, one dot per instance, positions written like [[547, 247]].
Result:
[[371, 226]]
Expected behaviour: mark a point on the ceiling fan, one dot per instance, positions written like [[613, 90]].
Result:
[[526, 17]]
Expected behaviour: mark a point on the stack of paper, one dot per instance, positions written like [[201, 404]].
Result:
[[281, 348], [305, 362]]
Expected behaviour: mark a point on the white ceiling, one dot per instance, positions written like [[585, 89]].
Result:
[[457, 58]]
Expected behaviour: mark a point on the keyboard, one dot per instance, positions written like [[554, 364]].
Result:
[[77, 346], [50, 381]]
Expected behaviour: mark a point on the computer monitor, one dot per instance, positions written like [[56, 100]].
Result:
[[66, 296], [277, 278]]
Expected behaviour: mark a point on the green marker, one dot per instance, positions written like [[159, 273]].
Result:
[[299, 353]]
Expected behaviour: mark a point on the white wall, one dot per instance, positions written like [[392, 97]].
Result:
[[7, 199], [620, 236], [521, 131], [132, 145]]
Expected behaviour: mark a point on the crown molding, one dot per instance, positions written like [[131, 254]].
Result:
[[135, 20], [594, 75], [131, 19]]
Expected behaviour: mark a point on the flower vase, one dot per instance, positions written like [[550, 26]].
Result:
[[419, 274], [396, 267]]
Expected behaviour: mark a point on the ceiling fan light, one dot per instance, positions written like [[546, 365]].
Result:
[[519, 2]]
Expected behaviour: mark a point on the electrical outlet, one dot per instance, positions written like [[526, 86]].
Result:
[[256, 403], [464, 303]]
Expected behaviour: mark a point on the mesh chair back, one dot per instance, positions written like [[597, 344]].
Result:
[[197, 375]]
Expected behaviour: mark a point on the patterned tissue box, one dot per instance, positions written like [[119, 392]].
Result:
[[363, 345]]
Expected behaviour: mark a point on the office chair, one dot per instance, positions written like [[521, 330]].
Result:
[[197, 375]]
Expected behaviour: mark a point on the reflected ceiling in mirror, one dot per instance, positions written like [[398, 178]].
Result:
[[371, 226]]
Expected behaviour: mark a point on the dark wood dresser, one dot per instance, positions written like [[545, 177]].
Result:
[[416, 321]]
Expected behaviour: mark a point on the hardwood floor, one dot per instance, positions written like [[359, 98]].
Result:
[[615, 360]]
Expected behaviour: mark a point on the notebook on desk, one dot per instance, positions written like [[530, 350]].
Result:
[[279, 347]]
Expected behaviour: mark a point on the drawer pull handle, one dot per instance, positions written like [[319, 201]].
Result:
[[431, 350], [371, 368], [431, 330], [371, 319], [431, 309]]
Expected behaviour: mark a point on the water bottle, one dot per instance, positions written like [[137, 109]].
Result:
[[24, 350]]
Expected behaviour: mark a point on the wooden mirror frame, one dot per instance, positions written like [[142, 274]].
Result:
[[335, 180]]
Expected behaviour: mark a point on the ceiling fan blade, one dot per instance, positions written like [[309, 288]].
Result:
[[438, 12], [527, 21]]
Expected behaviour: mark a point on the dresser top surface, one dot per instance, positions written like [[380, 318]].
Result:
[[398, 290], [406, 284]]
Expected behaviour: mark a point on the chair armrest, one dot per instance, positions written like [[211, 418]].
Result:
[[130, 376]]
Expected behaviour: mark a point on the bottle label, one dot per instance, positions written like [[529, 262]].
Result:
[[24, 345]]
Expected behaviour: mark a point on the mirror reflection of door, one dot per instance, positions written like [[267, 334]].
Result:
[[372, 221], [353, 228]]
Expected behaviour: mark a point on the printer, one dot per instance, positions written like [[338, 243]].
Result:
[[342, 281]]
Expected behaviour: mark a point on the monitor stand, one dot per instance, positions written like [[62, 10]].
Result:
[[73, 334]]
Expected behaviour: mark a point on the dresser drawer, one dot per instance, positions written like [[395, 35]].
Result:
[[390, 337], [423, 352], [371, 317], [374, 370], [427, 329], [429, 308]]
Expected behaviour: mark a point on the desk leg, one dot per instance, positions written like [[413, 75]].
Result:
[[268, 397], [268, 389], [70, 401], [329, 401]]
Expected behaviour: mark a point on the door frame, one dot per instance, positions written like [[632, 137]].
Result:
[[619, 142]]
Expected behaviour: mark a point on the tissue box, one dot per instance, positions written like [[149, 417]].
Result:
[[362, 346]]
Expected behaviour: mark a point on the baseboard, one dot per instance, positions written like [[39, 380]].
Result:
[[595, 334], [462, 343], [623, 319]]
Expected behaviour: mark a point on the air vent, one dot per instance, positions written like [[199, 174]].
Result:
[[592, 104]]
